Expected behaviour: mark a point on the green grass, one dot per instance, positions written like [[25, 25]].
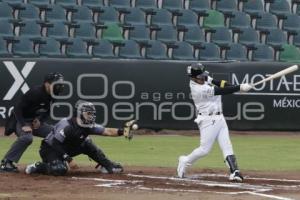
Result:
[[253, 152]]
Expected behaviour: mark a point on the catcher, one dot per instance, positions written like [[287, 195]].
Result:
[[70, 138]]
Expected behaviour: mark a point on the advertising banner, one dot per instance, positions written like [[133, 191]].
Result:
[[156, 92]]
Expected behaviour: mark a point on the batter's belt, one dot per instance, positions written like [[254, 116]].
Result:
[[210, 114]]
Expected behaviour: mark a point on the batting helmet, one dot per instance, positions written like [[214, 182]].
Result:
[[196, 70]]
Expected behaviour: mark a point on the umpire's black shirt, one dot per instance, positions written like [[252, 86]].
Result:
[[34, 104]]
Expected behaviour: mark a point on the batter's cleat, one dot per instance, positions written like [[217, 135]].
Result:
[[30, 169], [236, 176], [182, 165], [8, 166]]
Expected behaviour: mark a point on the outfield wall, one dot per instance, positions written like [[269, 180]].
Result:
[[157, 92]]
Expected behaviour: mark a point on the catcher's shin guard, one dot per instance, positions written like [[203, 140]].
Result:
[[231, 163], [57, 168], [97, 155]]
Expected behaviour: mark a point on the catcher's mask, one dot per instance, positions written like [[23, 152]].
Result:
[[86, 114], [196, 70], [57, 80]]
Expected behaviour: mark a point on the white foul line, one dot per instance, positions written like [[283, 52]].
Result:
[[250, 178], [269, 196], [256, 190]]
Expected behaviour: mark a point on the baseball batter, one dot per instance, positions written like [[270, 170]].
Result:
[[206, 94]]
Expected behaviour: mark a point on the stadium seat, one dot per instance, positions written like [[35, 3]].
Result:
[[139, 33], [253, 7], [200, 7], [85, 30], [290, 53], [14, 3], [291, 24], [156, 50], [236, 52], [3, 49], [42, 3], [296, 40], [112, 32], [227, 7], [221, 36], [213, 19], [130, 49], [66, 3], [55, 13], [77, 49], [167, 34], [30, 29], [194, 35], [146, 5], [210, 52], [280, 8], [183, 51], [120, 4], [135, 16], [82, 13], [239, 20], [108, 15], [161, 17], [23, 47], [6, 28], [6, 11], [298, 10], [104, 50], [58, 30], [266, 22], [249, 37], [93, 4], [172, 5], [29, 11], [276, 38], [50, 48], [263, 52], [187, 18]]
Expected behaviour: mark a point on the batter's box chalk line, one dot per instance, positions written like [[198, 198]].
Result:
[[251, 189]]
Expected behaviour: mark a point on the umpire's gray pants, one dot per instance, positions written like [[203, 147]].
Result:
[[24, 140]]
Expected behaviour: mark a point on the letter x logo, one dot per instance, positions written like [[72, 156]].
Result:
[[19, 78]]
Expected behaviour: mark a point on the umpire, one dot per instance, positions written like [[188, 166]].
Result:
[[28, 119]]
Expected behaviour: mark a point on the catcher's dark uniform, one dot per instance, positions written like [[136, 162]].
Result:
[[67, 140]]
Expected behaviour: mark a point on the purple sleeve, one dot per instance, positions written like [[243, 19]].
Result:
[[97, 130]]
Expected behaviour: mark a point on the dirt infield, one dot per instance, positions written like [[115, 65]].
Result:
[[150, 183]]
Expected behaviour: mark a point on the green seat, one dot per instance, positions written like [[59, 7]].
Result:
[[213, 19], [290, 53], [113, 33]]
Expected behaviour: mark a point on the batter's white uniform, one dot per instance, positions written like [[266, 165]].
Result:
[[210, 120]]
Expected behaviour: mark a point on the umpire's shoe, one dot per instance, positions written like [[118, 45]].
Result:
[[8, 166], [236, 176]]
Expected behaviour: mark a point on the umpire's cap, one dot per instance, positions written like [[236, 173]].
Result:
[[53, 76], [196, 70]]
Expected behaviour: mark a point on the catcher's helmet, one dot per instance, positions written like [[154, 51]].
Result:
[[196, 70], [86, 112], [57, 78]]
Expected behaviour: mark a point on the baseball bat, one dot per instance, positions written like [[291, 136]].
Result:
[[278, 74]]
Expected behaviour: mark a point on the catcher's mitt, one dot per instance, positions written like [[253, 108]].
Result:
[[128, 129]]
